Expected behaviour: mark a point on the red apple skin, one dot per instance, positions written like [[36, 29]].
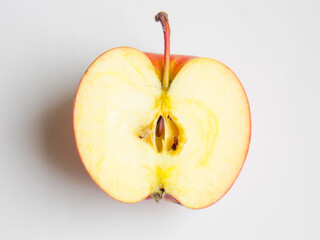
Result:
[[176, 63]]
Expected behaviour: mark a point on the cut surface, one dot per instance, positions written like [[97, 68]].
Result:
[[205, 136]]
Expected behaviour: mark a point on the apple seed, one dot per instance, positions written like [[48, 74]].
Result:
[[175, 143], [160, 127]]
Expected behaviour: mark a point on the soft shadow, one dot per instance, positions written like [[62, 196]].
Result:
[[59, 144]]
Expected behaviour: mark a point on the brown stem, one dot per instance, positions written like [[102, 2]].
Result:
[[163, 18]]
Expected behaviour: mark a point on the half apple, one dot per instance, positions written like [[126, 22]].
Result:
[[163, 126]]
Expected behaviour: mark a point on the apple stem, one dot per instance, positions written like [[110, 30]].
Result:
[[163, 18]]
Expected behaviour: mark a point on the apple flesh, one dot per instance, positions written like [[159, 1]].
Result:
[[185, 141]]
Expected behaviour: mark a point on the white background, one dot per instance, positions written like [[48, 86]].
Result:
[[45, 47]]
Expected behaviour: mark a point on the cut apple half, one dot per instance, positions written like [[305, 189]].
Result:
[[137, 137]]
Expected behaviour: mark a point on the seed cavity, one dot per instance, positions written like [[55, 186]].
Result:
[[162, 134]]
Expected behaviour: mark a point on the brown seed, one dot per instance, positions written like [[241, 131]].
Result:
[[175, 144], [160, 127]]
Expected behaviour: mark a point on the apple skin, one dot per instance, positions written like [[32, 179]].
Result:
[[176, 63]]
